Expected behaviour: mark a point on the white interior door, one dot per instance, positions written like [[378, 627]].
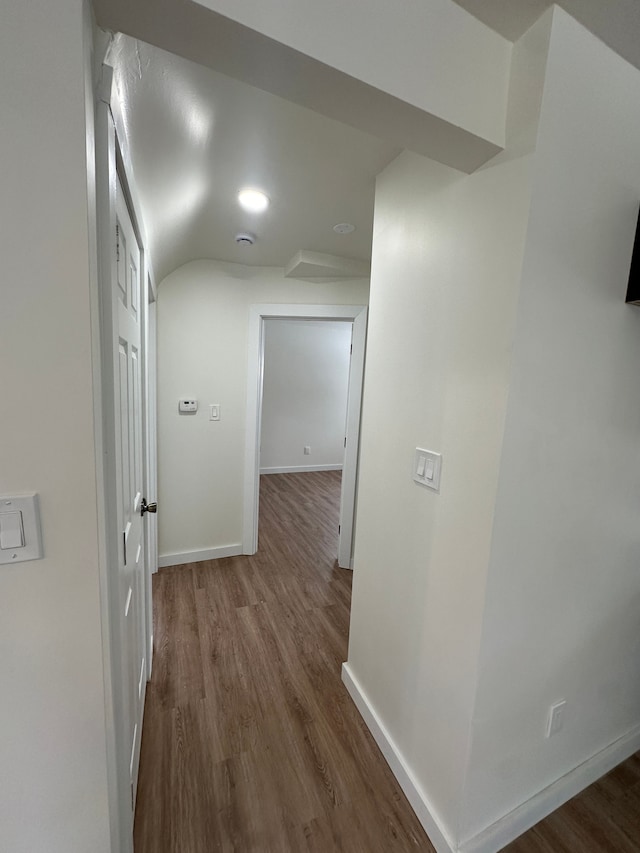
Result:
[[129, 306]]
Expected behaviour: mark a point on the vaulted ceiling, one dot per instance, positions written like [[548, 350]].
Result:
[[196, 136]]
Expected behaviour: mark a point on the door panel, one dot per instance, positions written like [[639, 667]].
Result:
[[124, 436], [129, 412]]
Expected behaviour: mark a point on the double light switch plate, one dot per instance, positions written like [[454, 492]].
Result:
[[426, 468], [20, 537]]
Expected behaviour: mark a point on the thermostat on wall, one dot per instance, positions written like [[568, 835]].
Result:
[[190, 406]]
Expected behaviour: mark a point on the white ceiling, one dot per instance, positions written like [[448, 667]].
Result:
[[615, 22], [196, 137]]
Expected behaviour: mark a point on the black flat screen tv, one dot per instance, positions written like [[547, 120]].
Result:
[[633, 288]]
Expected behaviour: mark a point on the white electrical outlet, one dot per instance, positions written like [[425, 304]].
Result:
[[307, 450], [556, 717]]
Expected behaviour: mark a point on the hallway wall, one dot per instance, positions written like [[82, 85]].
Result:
[[203, 311], [437, 373], [446, 266], [562, 618], [53, 778], [498, 330]]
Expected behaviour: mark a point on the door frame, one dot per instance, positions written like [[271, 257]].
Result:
[[357, 315], [150, 455]]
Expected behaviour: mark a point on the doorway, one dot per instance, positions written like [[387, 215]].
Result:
[[304, 401], [259, 315], [304, 405]]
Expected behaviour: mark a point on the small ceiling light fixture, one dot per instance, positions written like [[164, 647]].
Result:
[[254, 201], [245, 238], [344, 228]]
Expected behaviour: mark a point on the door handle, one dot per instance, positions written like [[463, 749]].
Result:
[[148, 507]]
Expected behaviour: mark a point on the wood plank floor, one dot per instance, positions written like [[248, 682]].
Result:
[[251, 743], [604, 818]]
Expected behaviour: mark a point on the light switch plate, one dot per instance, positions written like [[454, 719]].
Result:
[[426, 468], [11, 530], [29, 508]]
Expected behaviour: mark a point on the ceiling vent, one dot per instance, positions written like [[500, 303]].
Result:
[[245, 239]]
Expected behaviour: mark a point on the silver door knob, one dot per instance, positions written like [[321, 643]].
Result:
[[148, 507]]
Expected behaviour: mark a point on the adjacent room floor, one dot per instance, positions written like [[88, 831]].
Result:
[[251, 743]]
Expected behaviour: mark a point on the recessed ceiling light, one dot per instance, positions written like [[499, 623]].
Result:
[[344, 228], [254, 201]]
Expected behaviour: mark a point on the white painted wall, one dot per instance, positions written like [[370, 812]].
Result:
[[517, 585], [53, 784], [447, 254], [203, 311], [562, 618], [447, 257], [305, 388], [453, 66]]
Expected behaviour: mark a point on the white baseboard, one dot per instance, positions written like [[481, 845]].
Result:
[[196, 556], [506, 829], [300, 469], [419, 802]]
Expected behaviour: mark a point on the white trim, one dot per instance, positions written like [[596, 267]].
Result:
[[149, 432], [399, 767], [506, 829], [197, 556], [126, 171], [526, 815], [104, 85], [98, 148], [352, 442], [357, 315], [300, 469]]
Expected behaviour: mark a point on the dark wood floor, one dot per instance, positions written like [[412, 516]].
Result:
[[605, 818], [251, 743]]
